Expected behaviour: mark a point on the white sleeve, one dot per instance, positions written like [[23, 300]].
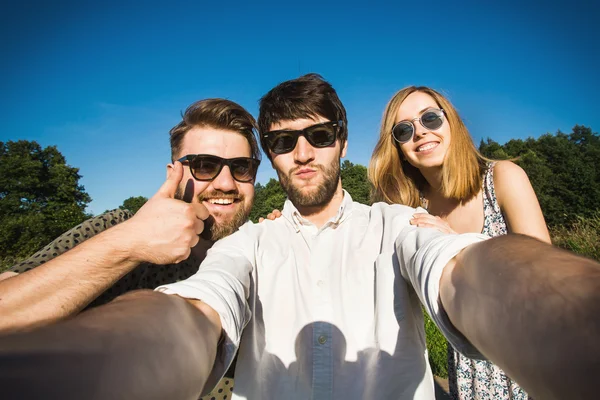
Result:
[[423, 253], [222, 282]]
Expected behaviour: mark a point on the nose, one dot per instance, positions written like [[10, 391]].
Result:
[[304, 153], [224, 181], [420, 130]]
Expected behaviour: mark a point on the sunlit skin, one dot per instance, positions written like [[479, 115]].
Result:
[[427, 149], [223, 189], [304, 167]]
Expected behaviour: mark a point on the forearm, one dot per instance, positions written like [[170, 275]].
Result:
[[142, 345], [530, 308], [66, 284]]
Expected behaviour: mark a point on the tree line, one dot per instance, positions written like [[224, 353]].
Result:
[[41, 197]]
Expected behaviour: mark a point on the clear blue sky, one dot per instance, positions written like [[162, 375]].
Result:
[[105, 81]]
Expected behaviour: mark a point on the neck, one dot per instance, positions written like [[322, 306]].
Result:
[[319, 215], [433, 176]]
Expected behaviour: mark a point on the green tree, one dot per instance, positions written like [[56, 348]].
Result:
[[355, 181], [267, 198], [562, 169], [40, 197], [133, 204]]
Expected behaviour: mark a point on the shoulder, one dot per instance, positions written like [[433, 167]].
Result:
[[391, 219], [393, 210], [508, 178], [72, 238], [251, 234]]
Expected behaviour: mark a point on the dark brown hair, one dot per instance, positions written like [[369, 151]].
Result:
[[306, 97], [217, 114]]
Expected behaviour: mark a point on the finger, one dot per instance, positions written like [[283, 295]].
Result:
[[276, 213], [200, 210], [440, 228], [168, 189], [261, 219], [199, 226], [194, 242], [420, 214]]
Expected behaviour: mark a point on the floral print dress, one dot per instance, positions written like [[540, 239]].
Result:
[[476, 379]]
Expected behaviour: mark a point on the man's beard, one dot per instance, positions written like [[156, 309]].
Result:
[[321, 195], [213, 229]]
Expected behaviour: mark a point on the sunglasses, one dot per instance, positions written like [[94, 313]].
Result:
[[432, 119], [206, 167], [319, 135]]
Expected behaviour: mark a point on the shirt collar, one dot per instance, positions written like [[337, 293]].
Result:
[[291, 213]]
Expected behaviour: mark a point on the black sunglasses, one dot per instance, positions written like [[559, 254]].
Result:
[[432, 119], [319, 135], [206, 167]]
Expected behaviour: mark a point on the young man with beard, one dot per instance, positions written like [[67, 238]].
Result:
[[325, 302], [161, 243]]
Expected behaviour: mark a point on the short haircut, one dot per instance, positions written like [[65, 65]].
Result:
[[216, 114], [309, 96]]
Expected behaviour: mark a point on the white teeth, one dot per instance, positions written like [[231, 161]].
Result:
[[220, 201], [427, 146]]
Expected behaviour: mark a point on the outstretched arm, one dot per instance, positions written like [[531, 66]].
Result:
[[162, 232], [532, 309], [142, 345]]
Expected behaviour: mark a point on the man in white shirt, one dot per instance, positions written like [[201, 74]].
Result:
[[325, 302]]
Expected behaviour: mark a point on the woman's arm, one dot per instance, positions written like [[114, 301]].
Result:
[[518, 201]]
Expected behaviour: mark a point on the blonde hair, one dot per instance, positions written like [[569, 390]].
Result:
[[396, 181]]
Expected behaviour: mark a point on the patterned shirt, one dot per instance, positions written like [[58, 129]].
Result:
[[477, 379], [145, 276]]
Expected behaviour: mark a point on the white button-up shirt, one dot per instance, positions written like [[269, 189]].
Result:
[[329, 313]]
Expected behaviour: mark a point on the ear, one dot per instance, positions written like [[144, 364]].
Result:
[[344, 149], [169, 169]]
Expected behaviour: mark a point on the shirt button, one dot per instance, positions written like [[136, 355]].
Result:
[[322, 339]]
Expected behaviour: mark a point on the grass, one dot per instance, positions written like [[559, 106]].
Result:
[[582, 237]]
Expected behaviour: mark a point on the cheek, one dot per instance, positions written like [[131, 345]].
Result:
[[247, 189], [404, 149], [195, 188]]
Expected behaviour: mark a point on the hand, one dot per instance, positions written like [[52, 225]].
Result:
[[273, 215], [165, 229], [424, 220]]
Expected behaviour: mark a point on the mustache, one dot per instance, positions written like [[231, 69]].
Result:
[[234, 195], [186, 193], [318, 167]]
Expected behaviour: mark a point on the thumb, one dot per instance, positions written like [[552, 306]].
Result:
[[170, 186]]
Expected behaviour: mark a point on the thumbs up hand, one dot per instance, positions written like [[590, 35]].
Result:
[[165, 229]]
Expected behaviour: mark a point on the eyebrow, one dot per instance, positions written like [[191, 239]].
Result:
[[420, 112]]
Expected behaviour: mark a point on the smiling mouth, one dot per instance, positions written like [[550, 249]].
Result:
[[427, 146], [222, 202]]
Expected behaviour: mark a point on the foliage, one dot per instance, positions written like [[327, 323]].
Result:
[[437, 347], [267, 198], [40, 197], [582, 237], [133, 204], [562, 169], [355, 181]]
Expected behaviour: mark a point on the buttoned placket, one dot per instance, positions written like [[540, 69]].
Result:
[[320, 243]]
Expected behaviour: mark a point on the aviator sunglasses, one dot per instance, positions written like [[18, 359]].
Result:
[[432, 119], [206, 167], [319, 135]]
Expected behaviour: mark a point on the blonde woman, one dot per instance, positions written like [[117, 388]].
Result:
[[426, 157]]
